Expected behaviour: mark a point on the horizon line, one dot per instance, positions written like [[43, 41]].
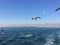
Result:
[[34, 25]]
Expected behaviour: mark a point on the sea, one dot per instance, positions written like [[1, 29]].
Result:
[[29, 36]]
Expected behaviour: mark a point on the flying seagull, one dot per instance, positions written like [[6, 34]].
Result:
[[2, 31], [36, 18], [57, 9]]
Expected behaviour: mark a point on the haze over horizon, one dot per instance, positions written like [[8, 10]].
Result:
[[31, 25], [21, 11]]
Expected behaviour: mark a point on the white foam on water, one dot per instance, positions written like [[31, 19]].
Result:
[[29, 35], [49, 42]]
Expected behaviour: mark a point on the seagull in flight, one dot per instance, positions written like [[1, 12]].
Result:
[[36, 18], [57, 9]]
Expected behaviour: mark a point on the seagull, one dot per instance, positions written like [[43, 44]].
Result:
[[57, 9], [2, 31], [36, 18]]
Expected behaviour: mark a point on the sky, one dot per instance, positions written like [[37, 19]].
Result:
[[21, 11]]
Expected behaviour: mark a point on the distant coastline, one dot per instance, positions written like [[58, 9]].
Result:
[[31, 25]]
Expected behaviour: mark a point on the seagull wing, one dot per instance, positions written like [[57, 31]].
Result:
[[57, 9]]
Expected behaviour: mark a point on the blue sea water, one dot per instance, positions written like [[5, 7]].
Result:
[[29, 36]]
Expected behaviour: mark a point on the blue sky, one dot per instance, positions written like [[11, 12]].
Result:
[[21, 11]]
